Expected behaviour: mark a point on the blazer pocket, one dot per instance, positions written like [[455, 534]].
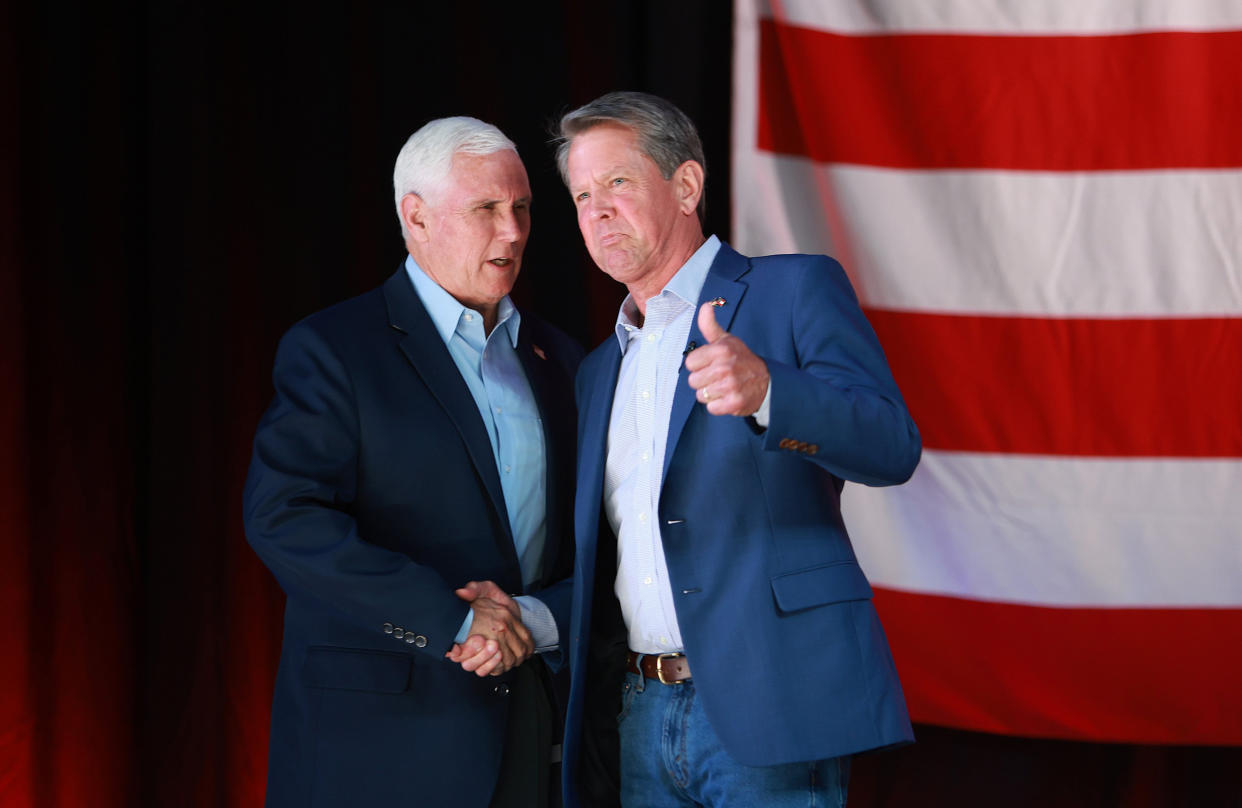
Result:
[[818, 586], [357, 669]]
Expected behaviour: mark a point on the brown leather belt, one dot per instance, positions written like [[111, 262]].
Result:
[[667, 669]]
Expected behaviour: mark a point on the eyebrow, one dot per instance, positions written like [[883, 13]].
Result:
[[486, 201]]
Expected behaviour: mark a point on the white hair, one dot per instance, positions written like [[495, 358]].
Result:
[[427, 157]]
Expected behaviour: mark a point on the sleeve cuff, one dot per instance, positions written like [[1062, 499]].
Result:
[[764, 414], [465, 627], [538, 619]]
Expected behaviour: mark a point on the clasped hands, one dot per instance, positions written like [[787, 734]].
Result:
[[498, 640]]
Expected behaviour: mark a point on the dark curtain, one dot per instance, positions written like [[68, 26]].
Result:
[[181, 183]]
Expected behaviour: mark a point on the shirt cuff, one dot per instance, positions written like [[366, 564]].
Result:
[[537, 618], [465, 626], [763, 414]]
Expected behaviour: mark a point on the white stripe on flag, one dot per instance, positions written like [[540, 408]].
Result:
[[1056, 531], [1004, 16], [1003, 242]]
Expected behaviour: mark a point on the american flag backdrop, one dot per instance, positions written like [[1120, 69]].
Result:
[[1040, 205]]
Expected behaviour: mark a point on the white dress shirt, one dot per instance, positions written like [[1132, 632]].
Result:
[[637, 433]]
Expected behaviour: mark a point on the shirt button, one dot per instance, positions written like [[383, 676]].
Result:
[[498, 410], [647, 581], [646, 394], [507, 469], [642, 517], [646, 455], [468, 317], [651, 338], [664, 639]]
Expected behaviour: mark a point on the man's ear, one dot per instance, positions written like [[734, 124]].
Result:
[[688, 182], [414, 214]]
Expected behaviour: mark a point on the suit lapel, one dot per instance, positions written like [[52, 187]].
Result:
[[721, 282], [541, 375], [427, 353], [599, 386]]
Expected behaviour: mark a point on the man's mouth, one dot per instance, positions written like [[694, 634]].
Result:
[[500, 262]]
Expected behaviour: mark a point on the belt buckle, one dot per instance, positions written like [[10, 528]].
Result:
[[660, 669]]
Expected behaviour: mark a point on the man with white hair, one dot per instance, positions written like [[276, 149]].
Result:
[[416, 465]]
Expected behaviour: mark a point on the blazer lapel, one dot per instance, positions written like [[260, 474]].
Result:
[[426, 352], [599, 387], [721, 282], [541, 374]]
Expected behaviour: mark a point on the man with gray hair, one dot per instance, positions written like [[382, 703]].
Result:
[[412, 470], [724, 649]]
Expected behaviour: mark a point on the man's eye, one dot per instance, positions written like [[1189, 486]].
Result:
[[582, 197], [618, 180]]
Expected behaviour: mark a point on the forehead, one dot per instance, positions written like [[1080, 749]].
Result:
[[499, 175], [604, 147]]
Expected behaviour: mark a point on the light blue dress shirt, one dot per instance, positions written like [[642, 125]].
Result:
[[490, 367]]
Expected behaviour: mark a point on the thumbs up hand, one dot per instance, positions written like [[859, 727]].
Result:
[[725, 374]]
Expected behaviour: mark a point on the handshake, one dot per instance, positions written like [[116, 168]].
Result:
[[498, 640]]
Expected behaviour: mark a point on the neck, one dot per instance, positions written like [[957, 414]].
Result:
[[490, 315], [648, 287]]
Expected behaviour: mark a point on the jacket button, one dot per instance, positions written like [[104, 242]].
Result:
[[419, 641], [398, 632], [409, 638], [812, 449], [388, 628], [501, 689]]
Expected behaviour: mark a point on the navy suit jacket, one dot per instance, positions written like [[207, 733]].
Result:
[[785, 647], [373, 493]]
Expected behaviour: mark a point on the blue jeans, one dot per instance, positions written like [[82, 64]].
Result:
[[671, 758]]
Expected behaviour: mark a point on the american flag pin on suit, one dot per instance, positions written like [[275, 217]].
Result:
[[718, 302]]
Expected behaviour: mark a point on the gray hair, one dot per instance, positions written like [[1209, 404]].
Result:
[[427, 157], [665, 133]]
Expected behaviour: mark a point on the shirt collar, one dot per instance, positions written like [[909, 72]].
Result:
[[686, 284], [446, 311]]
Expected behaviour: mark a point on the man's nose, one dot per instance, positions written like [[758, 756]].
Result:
[[599, 206], [508, 227]]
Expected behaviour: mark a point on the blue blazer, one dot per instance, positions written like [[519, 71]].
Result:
[[372, 495], [785, 647]]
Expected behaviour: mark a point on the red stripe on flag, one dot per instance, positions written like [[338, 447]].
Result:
[[1127, 388], [1068, 673], [1053, 103]]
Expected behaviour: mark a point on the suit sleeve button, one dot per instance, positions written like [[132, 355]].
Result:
[[388, 628], [398, 632], [419, 641], [812, 449]]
